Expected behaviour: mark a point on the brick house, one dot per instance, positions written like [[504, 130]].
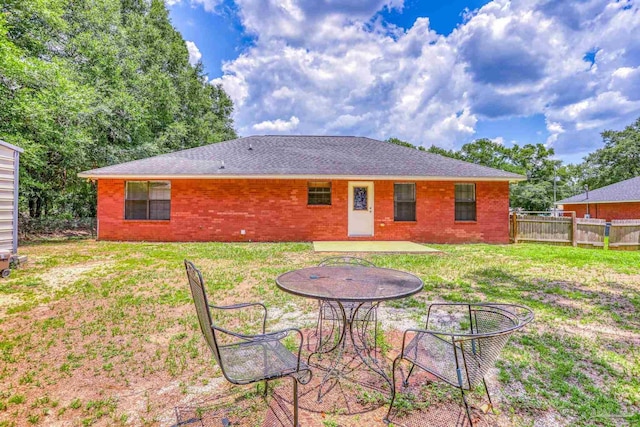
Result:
[[302, 188], [616, 201]]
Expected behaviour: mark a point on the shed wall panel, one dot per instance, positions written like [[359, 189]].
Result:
[[7, 198]]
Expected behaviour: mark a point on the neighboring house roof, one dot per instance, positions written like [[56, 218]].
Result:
[[11, 146], [623, 191], [276, 156]]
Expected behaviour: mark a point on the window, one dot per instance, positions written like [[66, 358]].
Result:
[[148, 200], [319, 193], [404, 202], [360, 198], [465, 202]]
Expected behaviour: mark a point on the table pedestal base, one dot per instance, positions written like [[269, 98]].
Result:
[[340, 357]]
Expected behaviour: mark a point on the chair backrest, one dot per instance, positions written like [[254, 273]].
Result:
[[494, 324], [196, 283], [486, 328], [345, 260]]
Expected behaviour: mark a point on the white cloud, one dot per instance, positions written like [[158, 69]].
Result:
[[555, 129], [593, 113], [349, 121], [278, 125], [283, 93], [305, 20], [194, 53], [626, 80], [337, 68]]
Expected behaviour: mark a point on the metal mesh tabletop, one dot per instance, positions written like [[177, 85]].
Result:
[[350, 283]]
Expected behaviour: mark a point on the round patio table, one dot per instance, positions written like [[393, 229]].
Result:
[[355, 285]]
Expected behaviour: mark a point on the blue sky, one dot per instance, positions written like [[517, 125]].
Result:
[[429, 72]]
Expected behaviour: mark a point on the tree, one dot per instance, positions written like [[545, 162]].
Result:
[[487, 153], [535, 161], [617, 161], [532, 160], [444, 152], [85, 84], [404, 143]]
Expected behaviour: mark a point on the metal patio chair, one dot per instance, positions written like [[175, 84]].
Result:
[[248, 358], [460, 343], [329, 310]]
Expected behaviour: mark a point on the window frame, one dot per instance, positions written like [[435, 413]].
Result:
[[319, 194], [396, 201], [148, 201], [467, 202]]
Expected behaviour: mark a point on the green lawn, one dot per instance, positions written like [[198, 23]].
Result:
[[105, 333]]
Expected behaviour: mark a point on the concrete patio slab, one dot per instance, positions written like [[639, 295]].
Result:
[[365, 246]]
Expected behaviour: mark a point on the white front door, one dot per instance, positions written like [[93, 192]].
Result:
[[360, 214]]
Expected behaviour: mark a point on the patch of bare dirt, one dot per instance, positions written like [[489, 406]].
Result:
[[7, 300], [57, 278], [551, 419], [599, 331]]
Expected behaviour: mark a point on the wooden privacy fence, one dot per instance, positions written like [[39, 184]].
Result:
[[560, 230], [590, 232], [624, 234], [529, 227]]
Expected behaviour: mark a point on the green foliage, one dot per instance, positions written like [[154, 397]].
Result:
[[534, 161], [489, 153], [447, 153], [85, 84], [404, 144], [617, 161]]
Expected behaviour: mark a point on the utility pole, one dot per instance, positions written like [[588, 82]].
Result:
[[586, 188], [555, 180]]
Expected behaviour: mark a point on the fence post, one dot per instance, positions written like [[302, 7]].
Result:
[[514, 218], [574, 229]]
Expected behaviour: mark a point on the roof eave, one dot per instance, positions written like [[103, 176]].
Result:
[[94, 176], [593, 202]]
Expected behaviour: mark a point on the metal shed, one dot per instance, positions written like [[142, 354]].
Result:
[[9, 171]]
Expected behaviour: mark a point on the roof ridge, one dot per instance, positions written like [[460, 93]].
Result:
[[313, 136]]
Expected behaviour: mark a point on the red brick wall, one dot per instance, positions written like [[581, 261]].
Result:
[[276, 210], [607, 211]]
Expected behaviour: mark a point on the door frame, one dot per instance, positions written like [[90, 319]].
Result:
[[370, 202]]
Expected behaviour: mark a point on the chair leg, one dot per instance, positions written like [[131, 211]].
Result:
[[393, 390], [295, 403], [466, 406], [488, 395], [405, 383]]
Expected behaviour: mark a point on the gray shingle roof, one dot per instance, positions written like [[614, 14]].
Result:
[[622, 191], [277, 155]]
